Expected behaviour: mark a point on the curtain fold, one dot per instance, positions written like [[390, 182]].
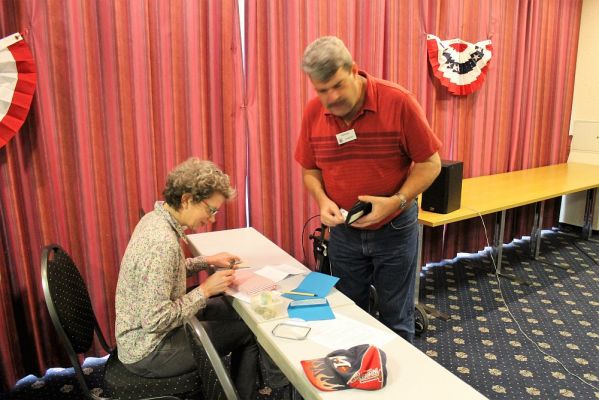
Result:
[[126, 90]]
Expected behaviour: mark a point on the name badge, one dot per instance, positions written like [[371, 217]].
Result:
[[346, 136]]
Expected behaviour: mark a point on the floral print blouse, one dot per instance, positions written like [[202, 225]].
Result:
[[151, 298]]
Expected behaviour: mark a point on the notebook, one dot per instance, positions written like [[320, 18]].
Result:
[[250, 283]]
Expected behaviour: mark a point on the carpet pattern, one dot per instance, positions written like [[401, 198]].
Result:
[[558, 311], [60, 383]]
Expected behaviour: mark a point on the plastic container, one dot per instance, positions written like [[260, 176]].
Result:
[[268, 304]]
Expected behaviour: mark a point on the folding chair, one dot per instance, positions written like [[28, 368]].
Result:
[[216, 382], [73, 317]]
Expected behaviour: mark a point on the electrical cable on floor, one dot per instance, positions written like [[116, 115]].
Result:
[[585, 253], [561, 232], [583, 380], [552, 265]]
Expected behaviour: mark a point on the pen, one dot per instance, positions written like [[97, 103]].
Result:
[[299, 293], [233, 267], [232, 264]]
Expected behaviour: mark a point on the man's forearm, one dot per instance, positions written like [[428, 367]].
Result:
[[313, 182], [421, 177]]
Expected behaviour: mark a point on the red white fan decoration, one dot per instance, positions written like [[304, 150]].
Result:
[[17, 85], [459, 65]]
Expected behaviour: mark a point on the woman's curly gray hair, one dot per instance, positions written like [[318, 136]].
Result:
[[200, 178]]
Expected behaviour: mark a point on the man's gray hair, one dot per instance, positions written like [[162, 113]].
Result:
[[324, 56]]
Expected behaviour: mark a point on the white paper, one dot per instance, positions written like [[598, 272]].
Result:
[[274, 273], [291, 269], [343, 333], [238, 295]]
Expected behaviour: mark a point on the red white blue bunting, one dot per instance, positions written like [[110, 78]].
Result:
[[459, 65], [18, 76]]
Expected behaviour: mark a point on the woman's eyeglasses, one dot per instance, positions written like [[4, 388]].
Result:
[[213, 210]]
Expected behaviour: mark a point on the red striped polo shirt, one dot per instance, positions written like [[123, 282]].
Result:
[[392, 132]]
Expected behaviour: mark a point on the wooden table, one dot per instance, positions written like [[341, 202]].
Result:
[[500, 192]]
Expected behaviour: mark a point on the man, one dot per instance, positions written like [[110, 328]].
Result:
[[367, 139]]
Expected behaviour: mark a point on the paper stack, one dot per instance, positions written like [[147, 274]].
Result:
[[250, 283]]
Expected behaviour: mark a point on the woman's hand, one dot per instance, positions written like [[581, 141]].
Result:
[[222, 260], [218, 282]]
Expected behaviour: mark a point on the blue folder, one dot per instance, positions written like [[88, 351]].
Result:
[[320, 285], [314, 282]]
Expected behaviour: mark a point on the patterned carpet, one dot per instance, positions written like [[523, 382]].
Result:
[[482, 343], [60, 383]]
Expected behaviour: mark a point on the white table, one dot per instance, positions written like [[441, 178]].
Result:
[[255, 250], [411, 373]]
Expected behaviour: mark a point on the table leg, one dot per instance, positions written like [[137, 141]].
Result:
[[498, 245], [535, 235], [419, 265], [498, 240], [587, 227]]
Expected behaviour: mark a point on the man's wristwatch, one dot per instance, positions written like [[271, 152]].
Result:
[[403, 201]]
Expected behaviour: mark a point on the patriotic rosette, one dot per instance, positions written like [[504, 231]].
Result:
[[459, 65], [17, 85]]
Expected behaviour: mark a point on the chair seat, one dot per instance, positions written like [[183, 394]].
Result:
[[122, 383]]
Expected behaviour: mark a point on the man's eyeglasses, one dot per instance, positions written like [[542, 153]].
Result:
[[212, 210]]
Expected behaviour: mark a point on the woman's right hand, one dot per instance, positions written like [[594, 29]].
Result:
[[218, 282]]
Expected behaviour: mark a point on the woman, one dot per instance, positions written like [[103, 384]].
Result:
[[151, 298]]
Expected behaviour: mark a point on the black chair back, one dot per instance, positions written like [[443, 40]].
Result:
[[73, 317], [69, 306]]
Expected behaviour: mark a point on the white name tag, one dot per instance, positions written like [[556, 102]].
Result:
[[346, 136]]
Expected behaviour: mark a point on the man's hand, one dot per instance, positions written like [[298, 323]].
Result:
[[329, 213], [420, 178], [382, 207]]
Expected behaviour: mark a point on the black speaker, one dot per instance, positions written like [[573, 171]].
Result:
[[445, 194]]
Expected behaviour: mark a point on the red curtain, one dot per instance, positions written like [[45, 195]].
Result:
[[126, 90], [518, 119]]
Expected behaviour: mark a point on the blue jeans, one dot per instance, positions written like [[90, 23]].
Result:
[[385, 257]]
